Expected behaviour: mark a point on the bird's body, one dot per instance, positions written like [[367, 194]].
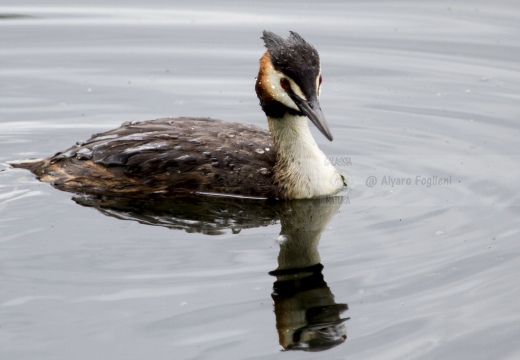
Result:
[[167, 156], [180, 156]]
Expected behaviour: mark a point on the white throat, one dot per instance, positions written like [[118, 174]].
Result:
[[301, 169]]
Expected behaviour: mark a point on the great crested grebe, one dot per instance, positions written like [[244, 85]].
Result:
[[180, 156]]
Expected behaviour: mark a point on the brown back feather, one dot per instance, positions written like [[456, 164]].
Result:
[[170, 156]]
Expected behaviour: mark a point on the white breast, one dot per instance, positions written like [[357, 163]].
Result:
[[302, 168]]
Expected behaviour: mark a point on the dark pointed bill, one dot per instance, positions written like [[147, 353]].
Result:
[[311, 108]]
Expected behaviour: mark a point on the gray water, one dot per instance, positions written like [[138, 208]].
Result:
[[422, 99]]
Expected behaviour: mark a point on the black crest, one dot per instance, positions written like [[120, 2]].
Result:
[[296, 58]]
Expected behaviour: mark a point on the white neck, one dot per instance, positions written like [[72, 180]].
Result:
[[302, 169]]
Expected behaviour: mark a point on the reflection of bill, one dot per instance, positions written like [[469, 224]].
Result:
[[307, 317]]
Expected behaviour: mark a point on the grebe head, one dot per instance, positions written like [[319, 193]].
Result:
[[289, 80]]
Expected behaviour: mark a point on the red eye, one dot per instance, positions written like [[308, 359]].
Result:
[[321, 79], [285, 83]]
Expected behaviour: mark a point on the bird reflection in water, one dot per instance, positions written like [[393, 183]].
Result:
[[307, 316]]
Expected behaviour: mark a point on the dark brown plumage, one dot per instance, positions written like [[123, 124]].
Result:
[[166, 157]]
